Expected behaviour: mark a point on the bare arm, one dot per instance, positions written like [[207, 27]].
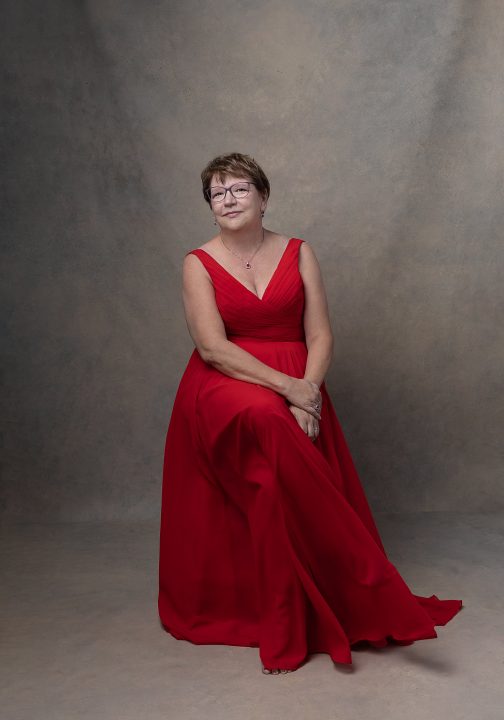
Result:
[[318, 333], [207, 330], [317, 325]]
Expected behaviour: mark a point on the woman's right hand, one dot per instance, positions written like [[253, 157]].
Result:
[[304, 394]]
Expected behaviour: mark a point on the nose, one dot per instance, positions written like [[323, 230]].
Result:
[[230, 198]]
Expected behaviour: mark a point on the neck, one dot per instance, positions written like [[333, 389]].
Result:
[[243, 241]]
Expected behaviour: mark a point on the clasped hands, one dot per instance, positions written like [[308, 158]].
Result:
[[305, 402]]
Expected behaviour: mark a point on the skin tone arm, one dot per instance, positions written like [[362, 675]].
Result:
[[317, 326], [207, 330], [318, 333]]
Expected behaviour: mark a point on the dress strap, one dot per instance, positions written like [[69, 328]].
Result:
[[296, 242], [206, 259], [212, 266]]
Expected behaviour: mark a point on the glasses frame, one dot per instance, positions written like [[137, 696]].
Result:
[[229, 189]]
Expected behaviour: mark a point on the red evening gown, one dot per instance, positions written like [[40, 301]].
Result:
[[267, 539]]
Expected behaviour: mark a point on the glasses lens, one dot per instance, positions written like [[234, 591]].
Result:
[[217, 194], [240, 190]]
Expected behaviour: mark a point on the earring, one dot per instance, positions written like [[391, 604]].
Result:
[[262, 213], [215, 222]]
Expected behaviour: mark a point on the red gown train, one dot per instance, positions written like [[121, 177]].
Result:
[[267, 539]]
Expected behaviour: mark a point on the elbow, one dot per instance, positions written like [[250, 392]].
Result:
[[324, 338], [205, 352], [209, 352]]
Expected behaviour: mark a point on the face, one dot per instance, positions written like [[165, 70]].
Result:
[[236, 212]]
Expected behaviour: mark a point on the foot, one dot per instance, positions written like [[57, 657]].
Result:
[[274, 671]]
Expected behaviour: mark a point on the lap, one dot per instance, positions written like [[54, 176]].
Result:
[[223, 400], [237, 420]]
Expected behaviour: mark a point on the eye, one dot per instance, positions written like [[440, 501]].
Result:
[[240, 190], [217, 193]]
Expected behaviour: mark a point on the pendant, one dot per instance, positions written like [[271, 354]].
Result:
[[248, 265]]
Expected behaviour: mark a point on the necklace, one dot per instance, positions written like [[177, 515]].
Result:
[[247, 262]]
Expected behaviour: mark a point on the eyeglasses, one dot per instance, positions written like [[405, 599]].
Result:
[[217, 193]]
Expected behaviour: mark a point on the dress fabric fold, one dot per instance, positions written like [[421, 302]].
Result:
[[267, 539]]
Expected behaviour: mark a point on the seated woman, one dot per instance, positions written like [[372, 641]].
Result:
[[267, 539]]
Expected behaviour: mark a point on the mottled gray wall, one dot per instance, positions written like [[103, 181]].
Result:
[[380, 124]]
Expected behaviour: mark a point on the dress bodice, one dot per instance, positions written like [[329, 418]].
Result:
[[278, 315]]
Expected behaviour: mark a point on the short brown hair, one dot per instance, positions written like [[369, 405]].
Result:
[[235, 164]]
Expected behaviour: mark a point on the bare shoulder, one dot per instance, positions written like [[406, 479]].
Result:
[[307, 256], [192, 267], [306, 247]]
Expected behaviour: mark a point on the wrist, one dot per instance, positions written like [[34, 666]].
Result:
[[283, 384]]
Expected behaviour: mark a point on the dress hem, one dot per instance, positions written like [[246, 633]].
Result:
[[341, 657]]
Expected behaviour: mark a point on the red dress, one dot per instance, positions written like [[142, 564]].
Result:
[[267, 539]]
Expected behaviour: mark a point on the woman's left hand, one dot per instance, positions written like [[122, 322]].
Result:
[[306, 422]]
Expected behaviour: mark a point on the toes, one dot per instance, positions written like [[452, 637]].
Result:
[[275, 671]]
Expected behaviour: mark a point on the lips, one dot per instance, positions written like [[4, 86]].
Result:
[[235, 212]]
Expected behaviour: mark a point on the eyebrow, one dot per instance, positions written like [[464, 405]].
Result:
[[237, 182]]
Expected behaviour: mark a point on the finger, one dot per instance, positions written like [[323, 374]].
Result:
[[314, 429], [317, 402], [312, 411], [308, 408], [297, 412], [301, 421], [316, 398]]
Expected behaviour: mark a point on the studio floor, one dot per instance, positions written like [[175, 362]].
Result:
[[81, 636]]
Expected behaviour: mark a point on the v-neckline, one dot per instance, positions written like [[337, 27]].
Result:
[[275, 271]]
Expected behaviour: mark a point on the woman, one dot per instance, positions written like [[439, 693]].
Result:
[[267, 539]]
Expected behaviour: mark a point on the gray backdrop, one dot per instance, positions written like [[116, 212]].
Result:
[[380, 125]]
